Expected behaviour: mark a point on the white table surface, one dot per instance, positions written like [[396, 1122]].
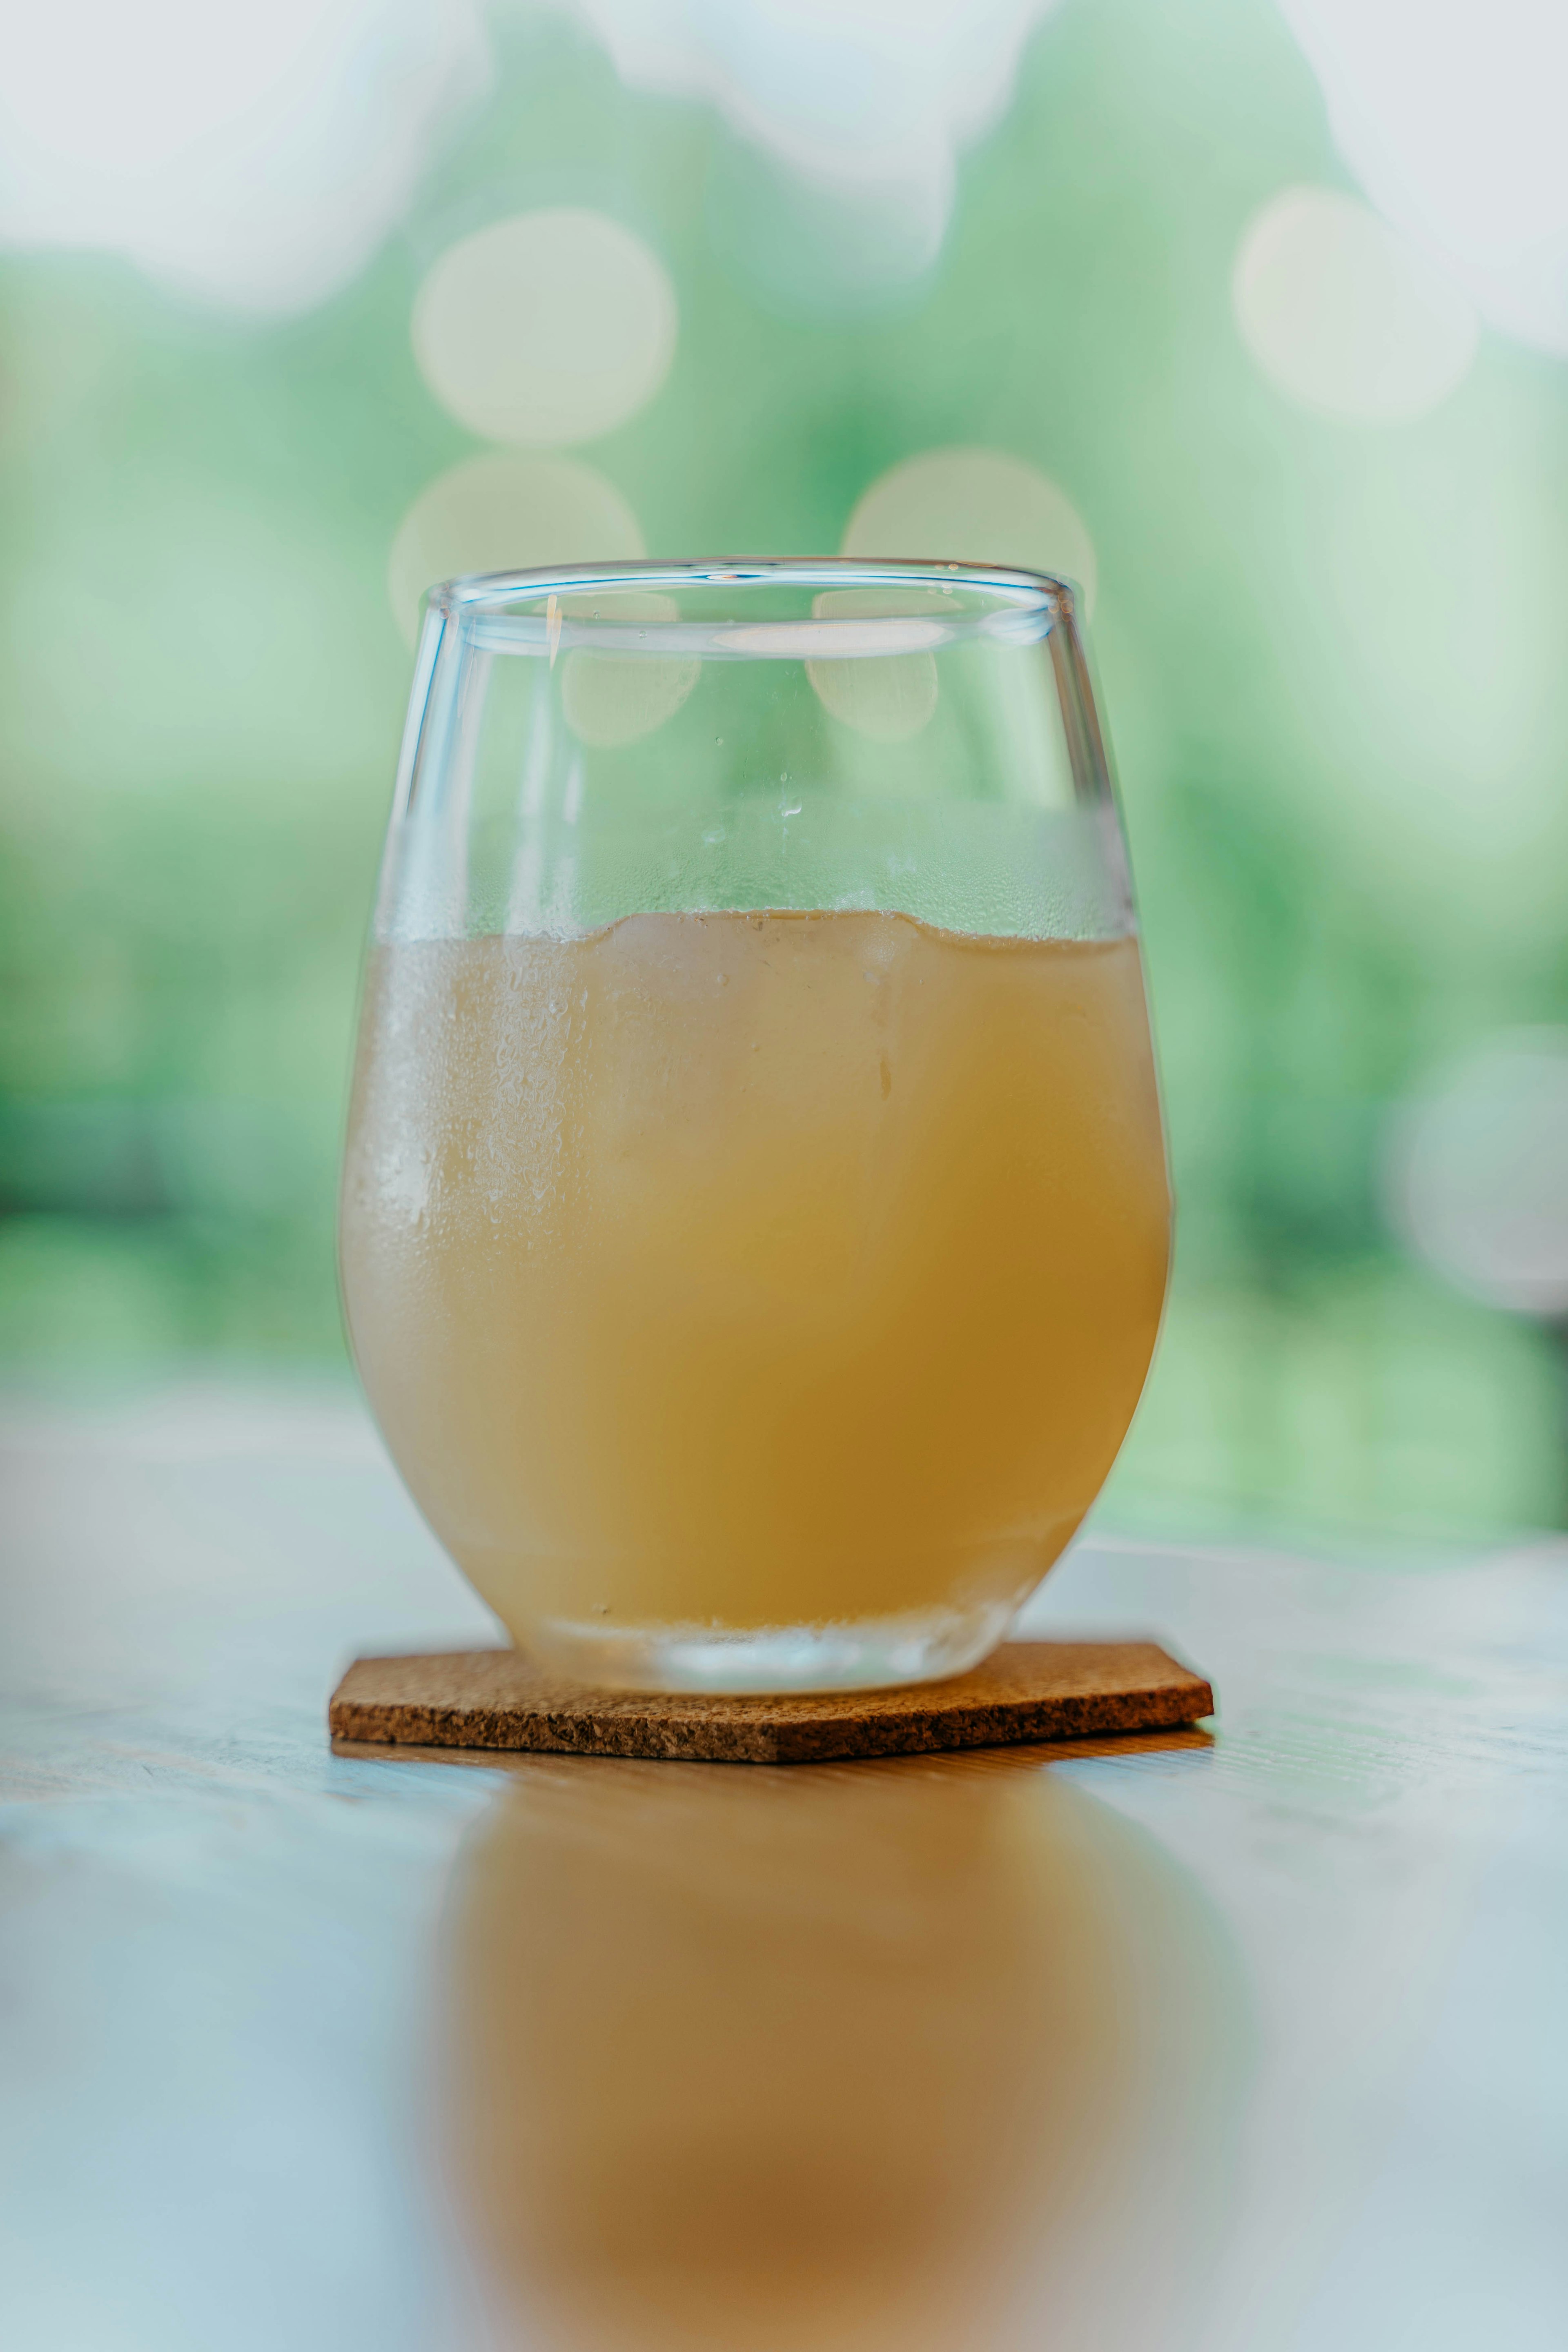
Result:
[[1251, 2043]]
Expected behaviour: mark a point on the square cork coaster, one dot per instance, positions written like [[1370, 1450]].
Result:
[[1025, 1691]]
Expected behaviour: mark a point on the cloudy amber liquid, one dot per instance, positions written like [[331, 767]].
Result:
[[753, 1270]]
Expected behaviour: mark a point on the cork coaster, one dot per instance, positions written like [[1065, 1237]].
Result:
[[1025, 1690]]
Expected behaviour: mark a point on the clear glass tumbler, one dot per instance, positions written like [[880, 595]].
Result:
[[755, 1220]]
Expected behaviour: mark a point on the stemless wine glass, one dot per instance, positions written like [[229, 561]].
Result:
[[755, 1221]]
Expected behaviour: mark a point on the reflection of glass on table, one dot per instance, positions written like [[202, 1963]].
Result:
[[869, 2056]]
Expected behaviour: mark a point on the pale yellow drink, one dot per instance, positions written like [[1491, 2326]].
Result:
[[752, 1270]]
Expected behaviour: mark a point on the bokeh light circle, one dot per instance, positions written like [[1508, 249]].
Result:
[[505, 513], [1476, 1172], [1345, 315], [974, 506], [889, 697], [547, 329], [886, 700], [611, 699]]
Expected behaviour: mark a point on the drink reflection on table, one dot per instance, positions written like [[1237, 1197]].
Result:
[[923, 2052]]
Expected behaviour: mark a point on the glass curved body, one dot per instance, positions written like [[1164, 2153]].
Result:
[[755, 1221]]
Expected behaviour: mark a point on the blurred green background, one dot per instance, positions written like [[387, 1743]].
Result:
[[1319, 462]]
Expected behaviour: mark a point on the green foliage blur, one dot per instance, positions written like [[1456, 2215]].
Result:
[[1329, 655]]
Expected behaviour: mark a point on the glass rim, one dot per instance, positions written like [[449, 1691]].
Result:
[[1019, 607]]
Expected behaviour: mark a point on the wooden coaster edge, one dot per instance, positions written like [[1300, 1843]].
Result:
[[709, 1734]]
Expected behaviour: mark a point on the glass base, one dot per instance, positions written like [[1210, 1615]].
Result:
[[850, 1653]]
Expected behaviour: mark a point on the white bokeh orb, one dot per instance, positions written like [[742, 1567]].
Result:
[[887, 698], [1345, 315], [974, 506], [1476, 1172], [505, 513], [547, 329], [1451, 118], [251, 158], [610, 699]]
